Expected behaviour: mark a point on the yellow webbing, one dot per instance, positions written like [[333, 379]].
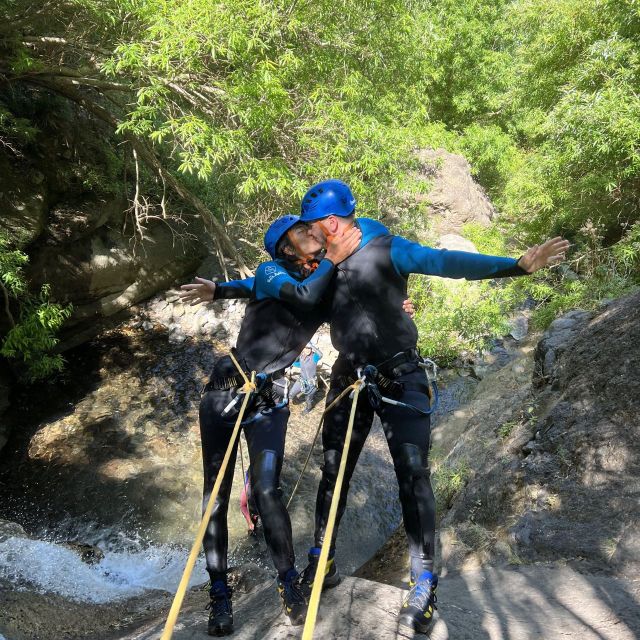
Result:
[[247, 388], [310, 623], [315, 437]]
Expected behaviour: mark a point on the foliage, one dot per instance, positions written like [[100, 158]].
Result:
[[448, 480], [457, 317], [544, 95], [251, 102], [31, 338]]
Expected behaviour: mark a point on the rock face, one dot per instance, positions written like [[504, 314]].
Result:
[[77, 244], [65, 202], [557, 476], [455, 198]]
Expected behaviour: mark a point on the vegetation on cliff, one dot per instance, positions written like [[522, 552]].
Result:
[[235, 107]]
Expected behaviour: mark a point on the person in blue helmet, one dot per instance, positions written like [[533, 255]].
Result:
[[380, 341], [278, 322]]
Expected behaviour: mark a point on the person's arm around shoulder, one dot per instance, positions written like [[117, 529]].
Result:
[[274, 281]]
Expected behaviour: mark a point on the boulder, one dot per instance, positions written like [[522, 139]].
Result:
[[455, 242], [559, 337], [10, 529], [454, 198], [104, 272]]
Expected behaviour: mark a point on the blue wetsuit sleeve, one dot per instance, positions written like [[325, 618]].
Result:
[[234, 289], [273, 281], [410, 257]]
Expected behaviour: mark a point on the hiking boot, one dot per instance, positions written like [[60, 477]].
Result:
[[220, 610], [295, 604], [331, 575], [419, 605]]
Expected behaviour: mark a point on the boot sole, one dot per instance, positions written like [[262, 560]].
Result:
[[331, 582], [219, 632], [415, 625]]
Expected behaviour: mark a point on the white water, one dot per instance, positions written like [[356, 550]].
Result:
[[51, 568]]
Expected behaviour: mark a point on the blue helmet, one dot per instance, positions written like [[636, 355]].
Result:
[[329, 197], [275, 232]]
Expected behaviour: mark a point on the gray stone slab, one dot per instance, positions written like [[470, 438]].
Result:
[[530, 603]]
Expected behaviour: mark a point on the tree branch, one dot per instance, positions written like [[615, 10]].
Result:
[[6, 305], [147, 154]]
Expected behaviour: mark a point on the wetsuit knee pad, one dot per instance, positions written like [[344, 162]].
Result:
[[331, 464], [265, 473], [411, 462]]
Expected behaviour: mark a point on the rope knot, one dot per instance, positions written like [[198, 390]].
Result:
[[248, 387]]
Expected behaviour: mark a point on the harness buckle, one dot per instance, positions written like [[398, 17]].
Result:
[[430, 368]]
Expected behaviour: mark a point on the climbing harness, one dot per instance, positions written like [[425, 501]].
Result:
[[248, 389], [431, 370], [374, 381], [314, 601]]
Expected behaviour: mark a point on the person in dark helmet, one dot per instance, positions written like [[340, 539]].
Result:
[[365, 292], [279, 321]]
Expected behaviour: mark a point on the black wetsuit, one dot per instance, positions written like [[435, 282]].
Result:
[[369, 326], [279, 321]]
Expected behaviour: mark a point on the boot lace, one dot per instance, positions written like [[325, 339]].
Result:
[[421, 595], [292, 592], [219, 604]]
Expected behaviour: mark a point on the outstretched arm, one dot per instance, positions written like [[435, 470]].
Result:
[[411, 257], [203, 290], [544, 255]]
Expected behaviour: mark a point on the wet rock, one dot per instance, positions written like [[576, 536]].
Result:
[[11, 530], [490, 362], [89, 553]]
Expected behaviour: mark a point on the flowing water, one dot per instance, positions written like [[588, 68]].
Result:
[[46, 567]]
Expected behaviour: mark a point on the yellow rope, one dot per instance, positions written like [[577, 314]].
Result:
[[240, 369], [315, 437], [314, 602], [247, 388]]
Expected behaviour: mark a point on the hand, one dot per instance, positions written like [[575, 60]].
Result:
[[543, 255], [341, 247], [408, 308], [203, 291]]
